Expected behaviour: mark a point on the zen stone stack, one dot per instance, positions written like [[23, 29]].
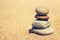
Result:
[[41, 25]]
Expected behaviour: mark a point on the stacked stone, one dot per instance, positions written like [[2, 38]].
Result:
[[42, 25]]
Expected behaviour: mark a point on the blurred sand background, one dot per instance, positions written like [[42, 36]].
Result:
[[16, 17]]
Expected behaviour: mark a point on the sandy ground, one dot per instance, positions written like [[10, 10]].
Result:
[[16, 17]]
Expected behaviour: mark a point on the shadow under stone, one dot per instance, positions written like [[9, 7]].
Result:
[[42, 19], [39, 28]]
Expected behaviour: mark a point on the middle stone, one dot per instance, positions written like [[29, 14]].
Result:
[[41, 24]]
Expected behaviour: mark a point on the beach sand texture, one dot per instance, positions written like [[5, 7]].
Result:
[[16, 17]]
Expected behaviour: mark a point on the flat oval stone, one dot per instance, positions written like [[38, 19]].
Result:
[[41, 24], [42, 10], [46, 31], [42, 17]]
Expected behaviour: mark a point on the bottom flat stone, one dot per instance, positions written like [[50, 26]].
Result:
[[46, 31]]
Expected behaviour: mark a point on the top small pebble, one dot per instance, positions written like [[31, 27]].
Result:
[[42, 10]]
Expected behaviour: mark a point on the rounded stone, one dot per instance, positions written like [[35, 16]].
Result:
[[42, 17], [41, 24], [46, 31], [42, 10]]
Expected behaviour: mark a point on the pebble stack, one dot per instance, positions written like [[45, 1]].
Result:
[[41, 25]]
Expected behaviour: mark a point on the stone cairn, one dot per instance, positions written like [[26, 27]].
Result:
[[41, 25]]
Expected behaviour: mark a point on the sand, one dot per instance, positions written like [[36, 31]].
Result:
[[16, 17]]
